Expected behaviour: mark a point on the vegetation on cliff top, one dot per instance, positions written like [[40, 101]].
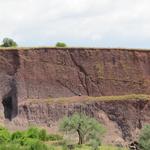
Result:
[[8, 42], [61, 44]]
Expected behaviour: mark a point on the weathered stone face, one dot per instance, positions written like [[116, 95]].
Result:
[[38, 73], [52, 72], [122, 119], [55, 72], [9, 63]]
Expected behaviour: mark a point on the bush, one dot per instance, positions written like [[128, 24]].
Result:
[[31, 139], [54, 137], [33, 144], [4, 135], [95, 144], [33, 132], [144, 140], [17, 135], [37, 145], [7, 42], [60, 44], [43, 135], [12, 147]]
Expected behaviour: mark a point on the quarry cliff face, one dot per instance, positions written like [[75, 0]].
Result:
[[40, 73], [56, 72]]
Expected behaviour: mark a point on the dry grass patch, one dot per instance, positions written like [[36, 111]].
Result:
[[84, 99]]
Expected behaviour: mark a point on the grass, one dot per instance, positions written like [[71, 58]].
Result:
[[35, 139], [84, 99]]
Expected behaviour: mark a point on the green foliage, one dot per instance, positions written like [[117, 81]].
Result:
[[33, 132], [87, 128], [12, 147], [52, 148], [64, 146], [94, 143], [144, 140], [4, 135], [61, 44], [38, 146], [54, 137], [34, 144], [31, 139], [43, 135], [17, 135], [7, 42], [27, 140]]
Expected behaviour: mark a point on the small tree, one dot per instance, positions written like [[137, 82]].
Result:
[[144, 140], [61, 44], [7, 42], [87, 128]]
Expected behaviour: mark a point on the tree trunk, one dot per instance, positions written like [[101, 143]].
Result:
[[80, 137]]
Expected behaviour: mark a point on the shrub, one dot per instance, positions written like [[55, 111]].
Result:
[[31, 139], [4, 135], [7, 42], [34, 144], [144, 140], [12, 147], [38, 146], [17, 135], [43, 135], [54, 137], [61, 44], [33, 132], [95, 144]]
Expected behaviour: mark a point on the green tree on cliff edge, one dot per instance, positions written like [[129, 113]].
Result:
[[86, 128], [7, 42], [61, 44]]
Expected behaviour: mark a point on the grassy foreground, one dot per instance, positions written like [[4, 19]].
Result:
[[38, 139]]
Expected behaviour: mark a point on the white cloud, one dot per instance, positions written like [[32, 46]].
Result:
[[119, 23]]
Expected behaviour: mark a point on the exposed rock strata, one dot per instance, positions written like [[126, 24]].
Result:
[[56, 72], [36, 73], [123, 119]]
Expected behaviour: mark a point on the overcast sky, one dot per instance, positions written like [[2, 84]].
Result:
[[94, 23]]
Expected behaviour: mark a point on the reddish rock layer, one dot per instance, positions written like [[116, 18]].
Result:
[[56, 72]]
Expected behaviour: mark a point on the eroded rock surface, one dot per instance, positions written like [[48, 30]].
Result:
[[56, 72], [39, 73], [123, 119]]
